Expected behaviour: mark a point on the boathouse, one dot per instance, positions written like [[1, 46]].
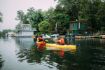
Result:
[[78, 27]]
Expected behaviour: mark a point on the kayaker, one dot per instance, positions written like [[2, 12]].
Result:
[[61, 41], [35, 38], [40, 43], [39, 39]]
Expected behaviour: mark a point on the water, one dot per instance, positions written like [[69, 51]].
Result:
[[21, 54]]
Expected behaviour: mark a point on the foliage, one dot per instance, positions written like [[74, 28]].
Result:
[[91, 10], [57, 20], [1, 17], [20, 16], [3, 33], [100, 17], [62, 23], [71, 7], [49, 15], [33, 17], [43, 26]]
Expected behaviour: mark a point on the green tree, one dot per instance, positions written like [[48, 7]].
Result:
[[58, 20], [49, 15], [100, 17], [34, 17], [91, 10], [44, 26], [1, 17], [62, 23], [20, 16], [71, 7]]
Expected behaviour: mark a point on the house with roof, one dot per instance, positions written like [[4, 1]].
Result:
[[78, 27]]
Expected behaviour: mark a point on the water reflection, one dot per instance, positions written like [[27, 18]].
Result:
[[90, 55], [51, 58], [24, 43], [1, 62], [31, 56]]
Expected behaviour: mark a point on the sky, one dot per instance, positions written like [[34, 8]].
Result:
[[9, 10]]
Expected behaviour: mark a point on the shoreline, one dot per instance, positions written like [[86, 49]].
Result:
[[84, 37]]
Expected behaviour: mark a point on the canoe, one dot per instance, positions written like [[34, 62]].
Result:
[[71, 48], [50, 46]]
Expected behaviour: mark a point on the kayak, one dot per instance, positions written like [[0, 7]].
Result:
[[71, 48], [50, 46]]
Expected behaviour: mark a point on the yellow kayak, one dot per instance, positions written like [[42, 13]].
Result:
[[71, 48]]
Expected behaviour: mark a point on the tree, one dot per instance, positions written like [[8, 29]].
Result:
[[20, 16], [49, 15], [66, 11], [58, 20], [34, 17], [1, 17], [44, 26], [62, 23], [100, 17], [91, 10], [71, 7]]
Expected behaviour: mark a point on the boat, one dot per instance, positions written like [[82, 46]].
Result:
[[53, 46], [71, 48]]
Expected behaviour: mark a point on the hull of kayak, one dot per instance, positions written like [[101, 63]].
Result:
[[49, 46], [71, 48]]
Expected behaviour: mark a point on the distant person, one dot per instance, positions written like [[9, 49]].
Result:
[[61, 41], [40, 38], [40, 43], [35, 38]]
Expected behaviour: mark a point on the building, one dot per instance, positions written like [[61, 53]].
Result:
[[78, 27], [24, 30], [11, 34]]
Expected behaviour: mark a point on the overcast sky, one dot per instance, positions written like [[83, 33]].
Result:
[[9, 9]]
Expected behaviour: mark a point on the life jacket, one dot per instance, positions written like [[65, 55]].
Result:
[[41, 45]]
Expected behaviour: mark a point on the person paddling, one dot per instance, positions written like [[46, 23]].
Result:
[[40, 43], [61, 41]]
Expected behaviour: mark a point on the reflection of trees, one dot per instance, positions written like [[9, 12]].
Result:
[[1, 62], [98, 58], [91, 55], [68, 62], [31, 56], [50, 57]]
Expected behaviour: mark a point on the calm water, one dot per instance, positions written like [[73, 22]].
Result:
[[21, 54]]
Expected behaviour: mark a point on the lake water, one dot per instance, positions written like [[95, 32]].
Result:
[[21, 54]]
